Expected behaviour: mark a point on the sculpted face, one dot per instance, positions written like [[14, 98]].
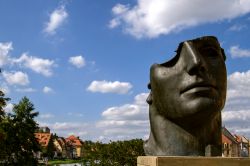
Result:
[[192, 83]]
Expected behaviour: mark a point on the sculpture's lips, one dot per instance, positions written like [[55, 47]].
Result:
[[195, 87]]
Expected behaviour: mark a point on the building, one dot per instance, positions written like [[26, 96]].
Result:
[[230, 146], [243, 145], [43, 139], [249, 148], [44, 130], [76, 144], [61, 147]]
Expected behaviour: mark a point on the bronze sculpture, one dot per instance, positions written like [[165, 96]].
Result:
[[187, 96]]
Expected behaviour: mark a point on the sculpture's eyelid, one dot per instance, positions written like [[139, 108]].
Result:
[[210, 47], [210, 51]]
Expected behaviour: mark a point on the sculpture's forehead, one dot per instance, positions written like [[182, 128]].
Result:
[[205, 38], [197, 43], [201, 42]]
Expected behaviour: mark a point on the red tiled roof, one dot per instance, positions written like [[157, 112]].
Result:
[[237, 137], [240, 138], [61, 141], [74, 140], [43, 138], [231, 138], [226, 140]]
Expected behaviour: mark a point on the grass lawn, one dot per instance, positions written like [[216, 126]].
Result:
[[66, 161]]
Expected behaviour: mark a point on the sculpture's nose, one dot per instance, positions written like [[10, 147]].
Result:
[[193, 59]]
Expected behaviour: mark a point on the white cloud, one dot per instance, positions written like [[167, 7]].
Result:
[[114, 23], [47, 89], [82, 133], [75, 114], [4, 88], [237, 120], [57, 18], [68, 128], [16, 78], [38, 65], [127, 121], [120, 8], [78, 134], [236, 114], [136, 111], [77, 61], [237, 52], [5, 48], [26, 90], [109, 87], [127, 110], [237, 27], [117, 10], [153, 18], [238, 85], [8, 108], [46, 116]]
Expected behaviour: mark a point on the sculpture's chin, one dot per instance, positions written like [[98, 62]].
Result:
[[200, 105], [197, 111]]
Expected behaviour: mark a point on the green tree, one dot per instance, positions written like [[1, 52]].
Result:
[[124, 152], [3, 102], [50, 149], [117, 153], [20, 143], [3, 134]]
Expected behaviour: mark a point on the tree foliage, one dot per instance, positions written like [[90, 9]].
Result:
[[3, 102], [120, 153], [49, 151], [3, 120], [19, 142]]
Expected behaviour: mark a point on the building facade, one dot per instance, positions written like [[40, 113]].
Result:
[[230, 146]]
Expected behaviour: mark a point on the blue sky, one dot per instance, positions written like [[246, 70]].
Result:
[[85, 63]]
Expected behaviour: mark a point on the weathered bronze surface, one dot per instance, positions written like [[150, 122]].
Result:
[[187, 96]]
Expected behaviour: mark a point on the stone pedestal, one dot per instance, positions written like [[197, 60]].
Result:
[[191, 161]]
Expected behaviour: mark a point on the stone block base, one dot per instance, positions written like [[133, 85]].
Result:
[[191, 161]]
